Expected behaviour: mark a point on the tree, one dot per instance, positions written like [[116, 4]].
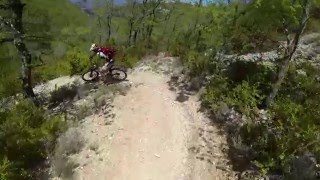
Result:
[[169, 21], [152, 20], [260, 22], [13, 24], [291, 45], [131, 19], [105, 14], [109, 18], [142, 18]]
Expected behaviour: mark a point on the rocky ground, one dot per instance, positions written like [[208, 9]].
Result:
[[308, 49]]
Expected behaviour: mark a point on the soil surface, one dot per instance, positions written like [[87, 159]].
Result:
[[149, 135]]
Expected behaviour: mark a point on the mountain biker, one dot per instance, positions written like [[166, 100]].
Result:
[[104, 53]]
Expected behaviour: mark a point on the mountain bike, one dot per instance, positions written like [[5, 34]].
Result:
[[95, 73]]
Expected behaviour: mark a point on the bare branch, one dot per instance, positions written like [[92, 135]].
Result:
[[34, 37], [292, 47]]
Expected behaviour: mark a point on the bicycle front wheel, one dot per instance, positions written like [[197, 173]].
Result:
[[91, 75]]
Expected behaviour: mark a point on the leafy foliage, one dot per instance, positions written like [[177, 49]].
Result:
[[289, 131], [26, 133], [78, 61], [6, 171], [244, 97]]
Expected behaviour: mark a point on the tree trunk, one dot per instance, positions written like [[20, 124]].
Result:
[[172, 33], [17, 10], [100, 30], [291, 49], [198, 38], [109, 27], [149, 33], [154, 18], [130, 31], [135, 35], [109, 20]]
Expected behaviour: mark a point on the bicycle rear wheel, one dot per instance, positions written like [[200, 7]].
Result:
[[118, 74]]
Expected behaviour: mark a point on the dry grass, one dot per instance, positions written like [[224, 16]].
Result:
[[71, 142], [62, 94]]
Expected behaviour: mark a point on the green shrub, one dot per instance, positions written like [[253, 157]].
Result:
[[10, 84], [75, 61], [215, 93], [244, 97], [128, 57], [294, 126], [6, 171], [51, 70], [128, 61], [25, 134], [78, 61], [255, 73], [62, 94], [196, 63], [9, 87], [289, 134]]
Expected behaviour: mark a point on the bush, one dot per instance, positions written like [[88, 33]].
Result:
[[51, 70], [290, 133], [9, 87], [6, 171], [78, 61], [71, 142], [25, 134], [244, 97], [10, 84], [128, 57], [215, 93], [196, 63], [74, 62], [62, 94], [293, 128]]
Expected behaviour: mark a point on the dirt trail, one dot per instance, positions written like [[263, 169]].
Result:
[[152, 137]]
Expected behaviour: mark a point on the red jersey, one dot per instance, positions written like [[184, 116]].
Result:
[[107, 51]]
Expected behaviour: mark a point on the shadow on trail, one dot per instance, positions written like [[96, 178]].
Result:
[[238, 159], [175, 85], [109, 81]]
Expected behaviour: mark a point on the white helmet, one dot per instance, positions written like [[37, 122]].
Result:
[[93, 47]]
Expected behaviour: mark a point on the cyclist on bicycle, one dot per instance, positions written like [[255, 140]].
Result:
[[105, 53]]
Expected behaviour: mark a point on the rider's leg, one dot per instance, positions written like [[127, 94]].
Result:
[[104, 72], [104, 68], [109, 65]]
